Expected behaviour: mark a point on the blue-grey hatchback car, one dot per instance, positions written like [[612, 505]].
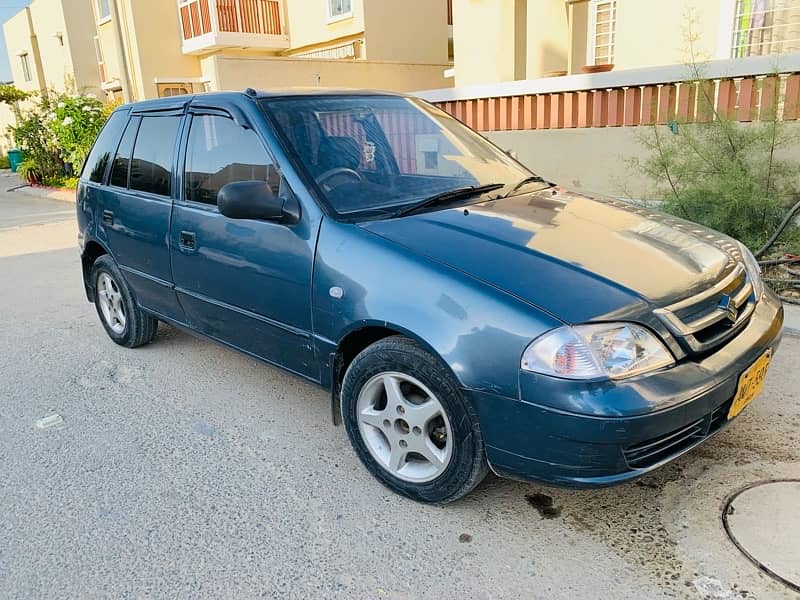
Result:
[[464, 313]]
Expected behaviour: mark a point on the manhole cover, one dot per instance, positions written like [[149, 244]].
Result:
[[763, 521]]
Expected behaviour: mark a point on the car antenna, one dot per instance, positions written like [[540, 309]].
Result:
[[251, 92]]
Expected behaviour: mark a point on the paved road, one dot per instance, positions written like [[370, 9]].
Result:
[[183, 469], [17, 209]]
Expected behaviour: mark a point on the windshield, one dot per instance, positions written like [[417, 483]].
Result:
[[374, 155]]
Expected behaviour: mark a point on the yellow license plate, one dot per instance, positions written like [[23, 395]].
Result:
[[751, 383]]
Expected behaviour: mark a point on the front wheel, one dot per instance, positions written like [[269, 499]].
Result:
[[410, 424]]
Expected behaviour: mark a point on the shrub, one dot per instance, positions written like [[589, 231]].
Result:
[[724, 174], [38, 143], [10, 94], [75, 121]]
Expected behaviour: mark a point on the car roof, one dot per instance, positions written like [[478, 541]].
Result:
[[178, 102]]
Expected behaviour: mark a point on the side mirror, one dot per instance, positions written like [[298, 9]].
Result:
[[249, 200]]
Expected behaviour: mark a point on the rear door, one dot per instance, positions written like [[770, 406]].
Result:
[[137, 205], [243, 282]]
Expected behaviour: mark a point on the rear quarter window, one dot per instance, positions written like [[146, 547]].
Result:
[[94, 168]]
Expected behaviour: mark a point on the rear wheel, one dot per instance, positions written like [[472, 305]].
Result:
[[124, 322], [409, 423]]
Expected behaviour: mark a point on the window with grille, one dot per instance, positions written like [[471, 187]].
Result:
[[602, 31], [174, 89], [339, 9], [26, 67], [103, 10], [765, 27]]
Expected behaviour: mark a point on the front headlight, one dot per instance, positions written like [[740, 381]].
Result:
[[753, 271], [595, 351]]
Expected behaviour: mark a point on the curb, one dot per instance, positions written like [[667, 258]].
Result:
[[40, 191], [791, 319]]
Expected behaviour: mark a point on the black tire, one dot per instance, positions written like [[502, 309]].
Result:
[[140, 328], [467, 466]]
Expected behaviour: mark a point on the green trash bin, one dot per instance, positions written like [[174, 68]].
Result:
[[15, 157]]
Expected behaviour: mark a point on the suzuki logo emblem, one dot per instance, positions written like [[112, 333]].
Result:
[[727, 306]]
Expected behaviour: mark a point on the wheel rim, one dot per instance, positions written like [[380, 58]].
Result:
[[111, 305], [404, 427]]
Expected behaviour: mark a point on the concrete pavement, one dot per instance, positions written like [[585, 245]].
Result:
[[183, 469]]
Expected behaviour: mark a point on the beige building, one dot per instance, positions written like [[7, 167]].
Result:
[[49, 46], [137, 49], [148, 48], [506, 40]]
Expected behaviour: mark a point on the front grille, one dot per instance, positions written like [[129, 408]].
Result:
[[650, 452], [701, 322]]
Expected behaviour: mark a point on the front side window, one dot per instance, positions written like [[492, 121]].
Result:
[[377, 154], [94, 168], [602, 31], [765, 27], [151, 164], [219, 152], [340, 8], [26, 67]]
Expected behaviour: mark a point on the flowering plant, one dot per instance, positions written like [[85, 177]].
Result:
[[75, 121], [57, 130]]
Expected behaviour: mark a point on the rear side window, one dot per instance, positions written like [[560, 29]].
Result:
[[122, 160], [151, 165], [95, 166], [220, 152]]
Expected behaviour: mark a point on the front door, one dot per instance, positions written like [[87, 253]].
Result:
[[244, 282]]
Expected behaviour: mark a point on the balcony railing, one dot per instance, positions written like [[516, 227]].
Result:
[[212, 24]]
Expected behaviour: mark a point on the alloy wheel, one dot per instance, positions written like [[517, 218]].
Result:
[[404, 427], [111, 304]]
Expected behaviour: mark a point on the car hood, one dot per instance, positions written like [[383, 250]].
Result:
[[575, 256]]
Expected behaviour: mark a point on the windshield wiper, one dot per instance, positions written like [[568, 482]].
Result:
[[529, 179], [449, 195]]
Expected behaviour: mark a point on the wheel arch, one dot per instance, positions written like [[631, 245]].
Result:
[[91, 252], [355, 340]]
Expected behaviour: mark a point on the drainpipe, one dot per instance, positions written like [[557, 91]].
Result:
[[37, 56], [122, 58]]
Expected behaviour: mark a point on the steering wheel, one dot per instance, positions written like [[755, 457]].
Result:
[[330, 173]]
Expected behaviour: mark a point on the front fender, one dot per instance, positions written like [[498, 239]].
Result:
[[478, 331]]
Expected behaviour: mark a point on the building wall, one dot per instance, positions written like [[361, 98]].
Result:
[[151, 30], [554, 35], [63, 66], [483, 41], [237, 72], [18, 38], [570, 157], [653, 32], [7, 118], [410, 31], [155, 40], [547, 37], [79, 31], [309, 24]]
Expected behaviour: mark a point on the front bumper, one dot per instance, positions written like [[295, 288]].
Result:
[[580, 434]]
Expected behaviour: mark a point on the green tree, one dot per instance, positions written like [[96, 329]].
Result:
[[10, 94]]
